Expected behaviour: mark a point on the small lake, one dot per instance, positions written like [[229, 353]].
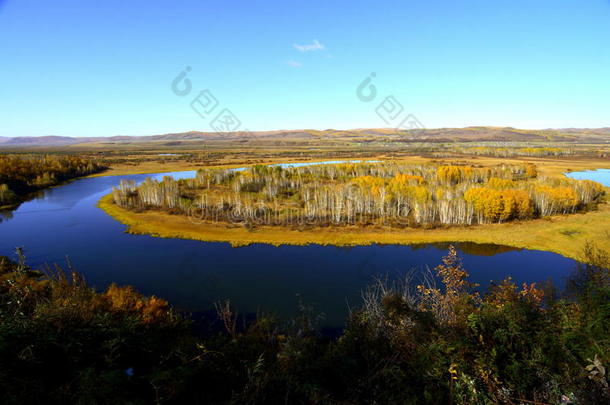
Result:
[[192, 275], [600, 175]]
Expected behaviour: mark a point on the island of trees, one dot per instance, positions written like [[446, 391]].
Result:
[[23, 174], [388, 193]]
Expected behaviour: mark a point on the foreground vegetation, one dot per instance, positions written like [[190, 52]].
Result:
[[61, 342], [21, 175]]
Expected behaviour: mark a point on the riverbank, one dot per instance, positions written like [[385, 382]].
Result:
[[547, 166], [182, 166], [562, 234]]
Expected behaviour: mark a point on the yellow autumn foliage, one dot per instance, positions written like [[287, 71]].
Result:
[[500, 205], [454, 174], [126, 299]]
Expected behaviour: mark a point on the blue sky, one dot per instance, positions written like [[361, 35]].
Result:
[[102, 68]]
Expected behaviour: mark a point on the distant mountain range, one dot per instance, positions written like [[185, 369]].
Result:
[[472, 134]]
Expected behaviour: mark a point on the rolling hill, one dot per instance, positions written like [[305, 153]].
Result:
[[468, 134]]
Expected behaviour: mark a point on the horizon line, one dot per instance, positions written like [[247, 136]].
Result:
[[309, 129]]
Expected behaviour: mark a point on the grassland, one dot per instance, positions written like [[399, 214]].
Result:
[[552, 167]]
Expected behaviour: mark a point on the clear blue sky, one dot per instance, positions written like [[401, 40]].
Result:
[[101, 68]]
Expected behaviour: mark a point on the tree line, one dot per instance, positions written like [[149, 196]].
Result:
[[364, 193], [23, 174], [533, 151]]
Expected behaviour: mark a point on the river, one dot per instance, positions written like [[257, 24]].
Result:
[[65, 222]]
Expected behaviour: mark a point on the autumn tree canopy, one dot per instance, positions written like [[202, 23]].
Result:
[[386, 192], [22, 174]]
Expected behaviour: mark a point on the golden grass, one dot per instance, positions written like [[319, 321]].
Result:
[[122, 169], [548, 166], [563, 234]]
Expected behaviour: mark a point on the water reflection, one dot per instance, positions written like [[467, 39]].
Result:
[[193, 275]]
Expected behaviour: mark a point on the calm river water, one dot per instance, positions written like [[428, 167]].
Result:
[[65, 222]]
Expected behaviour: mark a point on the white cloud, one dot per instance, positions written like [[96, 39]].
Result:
[[294, 63], [315, 46]]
